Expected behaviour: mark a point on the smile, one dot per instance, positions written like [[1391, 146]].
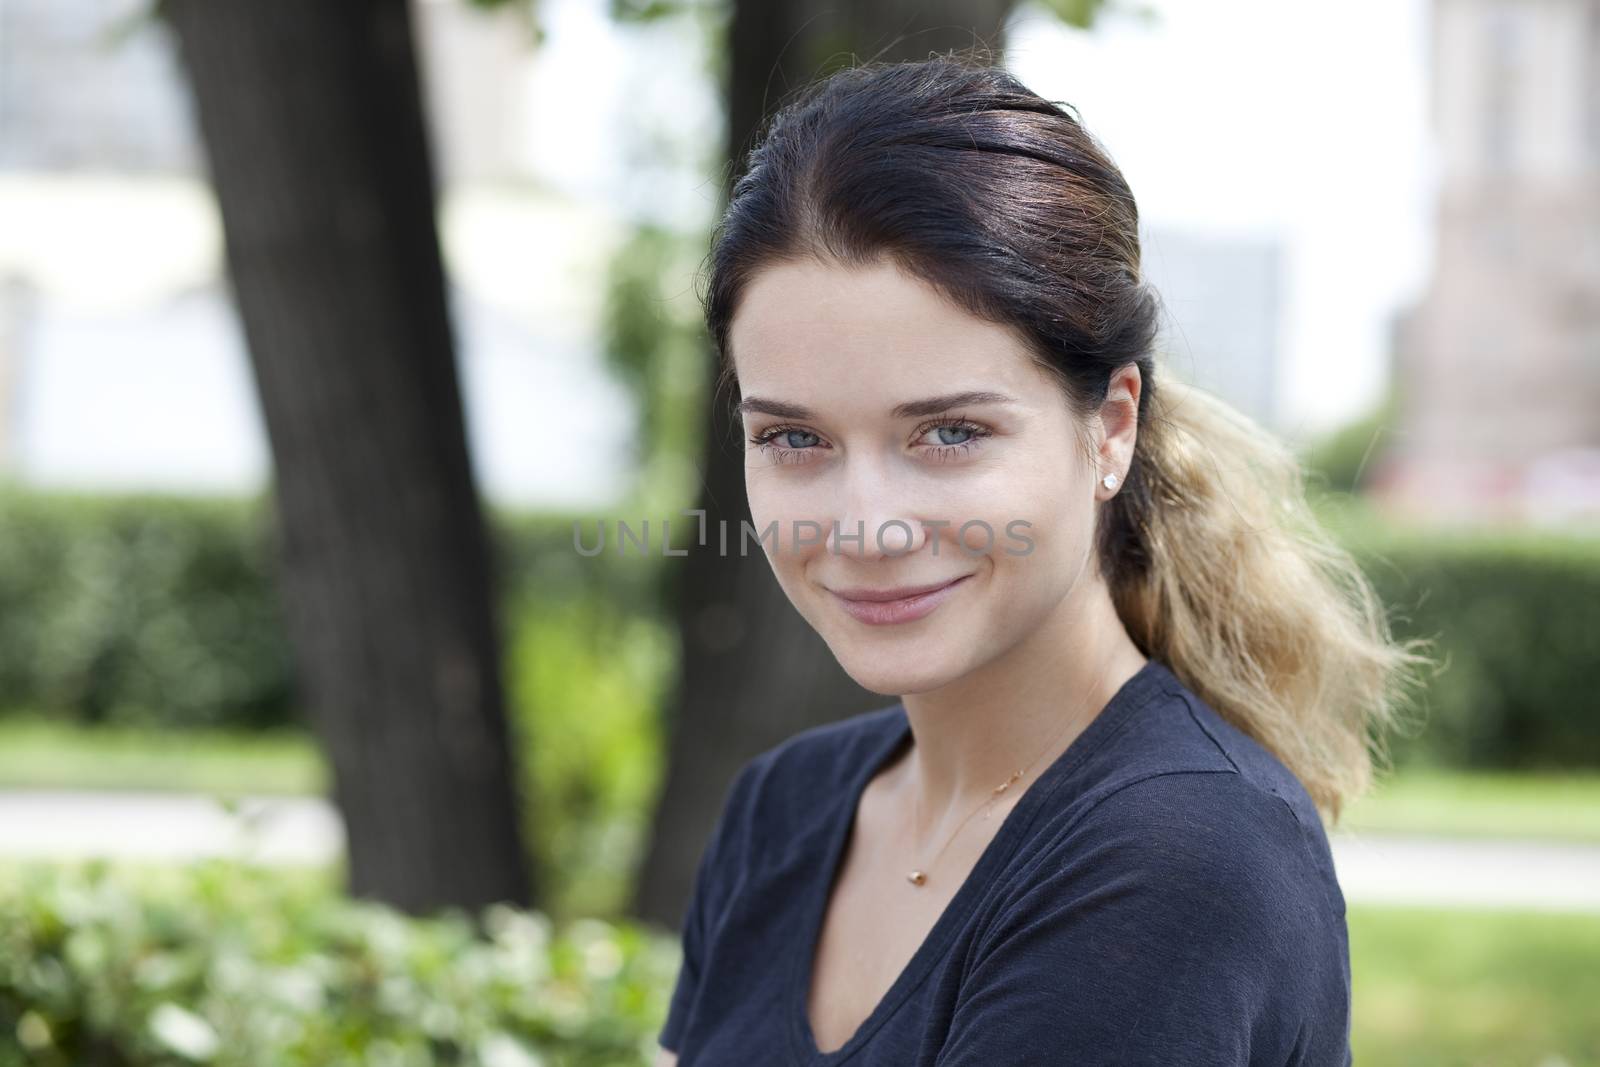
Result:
[[869, 607]]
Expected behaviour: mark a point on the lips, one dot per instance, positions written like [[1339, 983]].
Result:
[[883, 596], [885, 607]]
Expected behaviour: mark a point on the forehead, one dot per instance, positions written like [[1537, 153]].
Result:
[[812, 331]]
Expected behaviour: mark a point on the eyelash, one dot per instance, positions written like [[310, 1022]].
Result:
[[943, 453]]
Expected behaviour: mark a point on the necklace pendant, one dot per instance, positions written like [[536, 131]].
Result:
[[1003, 786], [916, 877]]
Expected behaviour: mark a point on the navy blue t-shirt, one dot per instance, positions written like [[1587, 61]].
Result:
[[1162, 894]]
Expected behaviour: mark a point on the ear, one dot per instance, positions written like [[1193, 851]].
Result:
[[1117, 427]]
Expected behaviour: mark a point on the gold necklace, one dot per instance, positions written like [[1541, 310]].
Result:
[[919, 876]]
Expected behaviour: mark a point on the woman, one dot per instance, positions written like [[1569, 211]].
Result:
[[1133, 676]]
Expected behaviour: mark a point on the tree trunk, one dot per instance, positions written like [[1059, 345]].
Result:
[[753, 671], [311, 115]]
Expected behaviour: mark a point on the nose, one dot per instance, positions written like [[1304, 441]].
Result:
[[873, 520]]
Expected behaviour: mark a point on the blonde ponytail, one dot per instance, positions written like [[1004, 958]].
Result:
[[1249, 599]]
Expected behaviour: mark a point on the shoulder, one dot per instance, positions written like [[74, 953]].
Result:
[[1177, 731], [1212, 837], [1212, 931], [1199, 883], [1255, 764], [1203, 819], [1204, 869], [1186, 785]]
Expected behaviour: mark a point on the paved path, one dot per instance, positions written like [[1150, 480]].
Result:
[[1462, 872], [66, 825], [1391, 869]]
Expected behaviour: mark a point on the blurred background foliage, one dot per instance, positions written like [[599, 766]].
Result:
[[111, 602], [157, 615], [655, 343], [105, 965], [222, 963]]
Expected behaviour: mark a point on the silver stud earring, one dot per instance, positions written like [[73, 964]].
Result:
[[1109, 481]]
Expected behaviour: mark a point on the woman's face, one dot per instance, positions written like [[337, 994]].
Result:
[[868, 470]]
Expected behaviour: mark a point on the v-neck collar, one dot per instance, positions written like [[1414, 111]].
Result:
[[818, 889]]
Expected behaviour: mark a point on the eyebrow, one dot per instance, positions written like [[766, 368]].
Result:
[[911, 409]]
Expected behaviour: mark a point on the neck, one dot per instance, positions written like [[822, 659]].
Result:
[[1021, 710]]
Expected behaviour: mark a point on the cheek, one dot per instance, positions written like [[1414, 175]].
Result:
[[1016, 509], [773, 496], [761, 496], [1041, 532], [779, 504]]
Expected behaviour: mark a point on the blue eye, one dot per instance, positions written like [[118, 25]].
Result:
[[956, 430], [790, 444], [970, 434], [789, 436], [792, 434]]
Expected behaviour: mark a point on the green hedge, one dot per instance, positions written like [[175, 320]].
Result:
[[1515, 614], [223, 964], [161, 610], [139, 609]]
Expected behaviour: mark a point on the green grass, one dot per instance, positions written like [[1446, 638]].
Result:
[[35, 753], [1436, 987], [1562, 807]]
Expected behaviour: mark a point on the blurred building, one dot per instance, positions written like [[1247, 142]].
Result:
[[1498, 366], [84, 84], [122, 365], [13, 300], [94, 85], [1222, 325]]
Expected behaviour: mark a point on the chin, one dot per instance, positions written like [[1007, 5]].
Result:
[[891, 671]]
